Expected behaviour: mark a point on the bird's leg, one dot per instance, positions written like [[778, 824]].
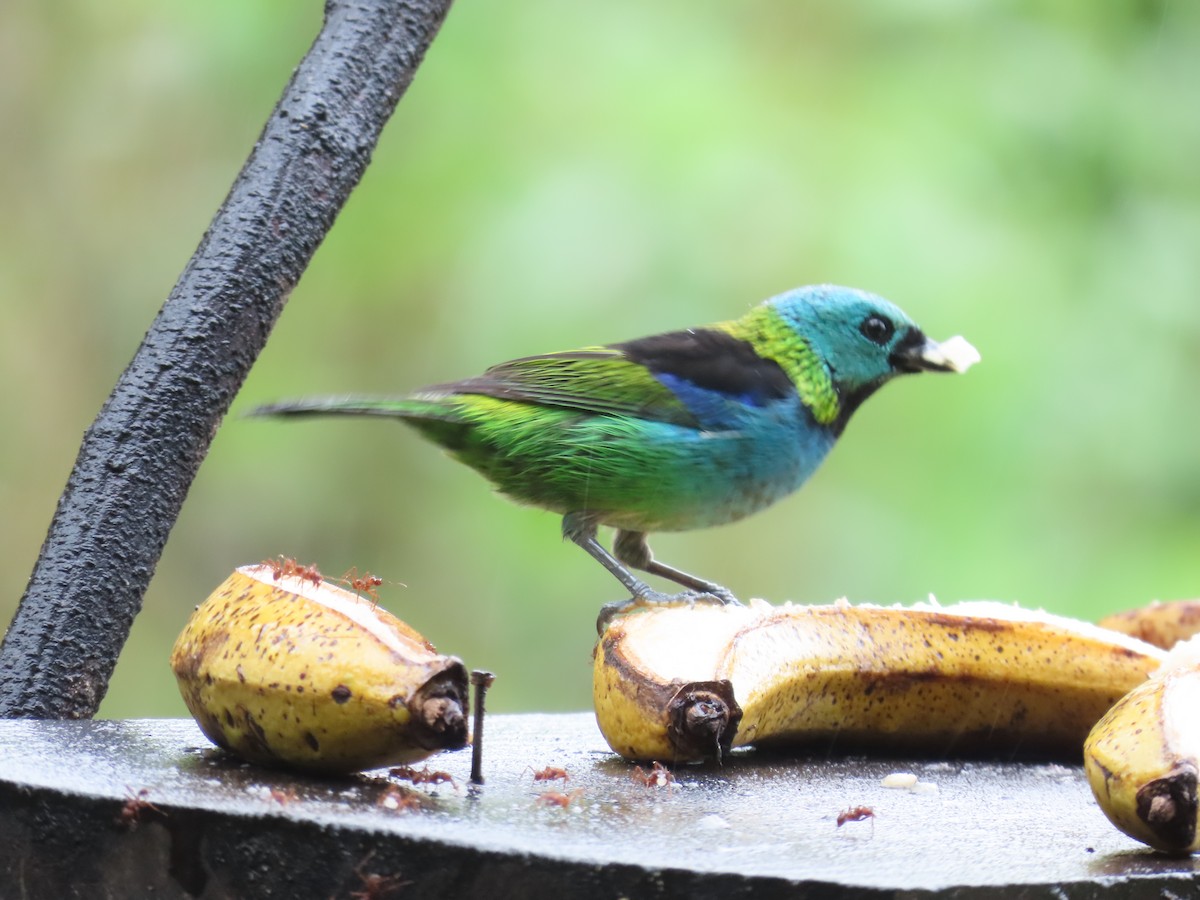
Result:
[[579, 529], [631, 548]]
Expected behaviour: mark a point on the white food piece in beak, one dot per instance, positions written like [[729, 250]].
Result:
[[956, 354]]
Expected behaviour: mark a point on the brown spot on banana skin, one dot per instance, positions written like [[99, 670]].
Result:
[[340, 694], [254, 732], [193, 658]]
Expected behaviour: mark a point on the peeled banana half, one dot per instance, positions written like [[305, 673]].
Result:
[[294, 671], [1143, 756], [686, 684]]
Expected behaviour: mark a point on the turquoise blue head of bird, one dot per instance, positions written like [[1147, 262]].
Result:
[[865, 340]]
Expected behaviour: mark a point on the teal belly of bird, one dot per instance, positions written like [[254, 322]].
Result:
[[640, 475]]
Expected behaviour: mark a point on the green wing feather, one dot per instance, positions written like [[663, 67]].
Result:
[[593, 381], [597, 380]]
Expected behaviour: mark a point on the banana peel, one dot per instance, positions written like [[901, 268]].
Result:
[[1143, 757], [688, 684], [1161, 624], [290, 671]]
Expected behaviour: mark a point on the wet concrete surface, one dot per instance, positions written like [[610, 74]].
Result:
[[74, 823]]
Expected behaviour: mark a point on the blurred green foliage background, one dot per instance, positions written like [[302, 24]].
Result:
[[1025, 174]]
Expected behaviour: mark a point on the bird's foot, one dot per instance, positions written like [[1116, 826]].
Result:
[[714, 593], [656, 599]]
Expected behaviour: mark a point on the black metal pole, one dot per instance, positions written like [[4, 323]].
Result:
[[141, 453]]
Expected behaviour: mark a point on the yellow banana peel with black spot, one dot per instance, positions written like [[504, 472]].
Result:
[[687, 684], [296, 672], [1143, 756]]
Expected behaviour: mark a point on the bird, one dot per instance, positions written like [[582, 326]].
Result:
[[676, 431]]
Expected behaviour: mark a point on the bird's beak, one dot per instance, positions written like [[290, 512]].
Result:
[[917, 353]]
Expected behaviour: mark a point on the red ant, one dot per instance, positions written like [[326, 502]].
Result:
[[375, 886], [424, 776], [286, 566], [366, 583], [399, 799], [857, 814], [135, 808], [658, 776], [550, 773], [557, 798], [309, 573]]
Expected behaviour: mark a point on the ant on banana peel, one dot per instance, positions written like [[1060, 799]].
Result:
[[283, 566], [362, 584]]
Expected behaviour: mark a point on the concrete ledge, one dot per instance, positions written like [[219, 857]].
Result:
[[758, 826]]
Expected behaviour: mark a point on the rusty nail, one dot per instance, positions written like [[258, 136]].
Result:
[[482, 681]]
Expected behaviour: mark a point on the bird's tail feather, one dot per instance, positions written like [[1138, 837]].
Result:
[[411, 408]]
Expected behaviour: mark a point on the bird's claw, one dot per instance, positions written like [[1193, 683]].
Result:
[[721, 595], [654, 599]]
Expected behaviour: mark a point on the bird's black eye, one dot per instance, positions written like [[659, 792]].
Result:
[[877, 329]]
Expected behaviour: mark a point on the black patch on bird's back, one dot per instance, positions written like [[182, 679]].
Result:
[[712, 360]]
